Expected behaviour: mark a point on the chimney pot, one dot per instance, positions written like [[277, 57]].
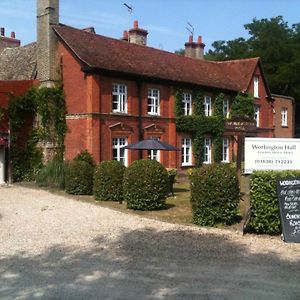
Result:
[[190, 39], [199, 39], [13, 35], [125, 35], [2, 29], [135, 24]]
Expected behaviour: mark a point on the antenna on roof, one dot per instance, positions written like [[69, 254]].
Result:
[[190, 29], [129, 8]]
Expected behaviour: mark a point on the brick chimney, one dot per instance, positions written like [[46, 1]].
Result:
[[193, 49], [47, 57], [8, 42], [137, 35]]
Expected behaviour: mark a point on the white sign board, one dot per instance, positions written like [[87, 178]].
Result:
[[271, 154]]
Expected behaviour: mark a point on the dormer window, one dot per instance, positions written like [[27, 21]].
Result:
[[255, 86]]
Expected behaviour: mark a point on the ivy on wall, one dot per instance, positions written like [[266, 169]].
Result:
[[47, 105], [242, 106]]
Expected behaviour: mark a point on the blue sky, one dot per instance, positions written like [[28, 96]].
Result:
[[165, 20]]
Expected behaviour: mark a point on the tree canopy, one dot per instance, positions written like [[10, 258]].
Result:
[[278, 46]]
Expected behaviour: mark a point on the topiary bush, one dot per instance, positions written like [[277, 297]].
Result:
[[108, 181], [215, 195], [264, 208], [79, 178], [145, 185]]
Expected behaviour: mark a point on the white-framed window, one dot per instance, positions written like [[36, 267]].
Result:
[[226, 107], [207, 151], [187, 104], [225, 150], [207, 106], [119, 98], [255, 86], [153, 102], [284, 116], [154, 154], [119, 153], [186, 152], [256, 115]]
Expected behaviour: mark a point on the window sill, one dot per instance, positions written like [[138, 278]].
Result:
[[187, 165], [119, 113], [284, 126], [153, 115]]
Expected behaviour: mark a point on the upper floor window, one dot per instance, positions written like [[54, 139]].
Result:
[[186, 152], [225, 151], [207, 106], [207, 151], [153, 102], [226, 108], [284, 116], [119, 98], [154, 154], [187, 104], [255, 86], [119, 153], [256, 115]]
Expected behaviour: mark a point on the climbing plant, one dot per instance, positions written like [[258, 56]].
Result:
[[242, 106], [47, 106]]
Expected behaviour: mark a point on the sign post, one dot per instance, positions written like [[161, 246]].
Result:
[[288, 192]]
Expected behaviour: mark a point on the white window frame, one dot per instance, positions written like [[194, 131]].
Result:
[[257, 115], [186, 152], [207, 151], [153, 102], [154, 154], [225, 150], [284, 117], [187, 104], [226, 107], [119, 98], [118, 143], [207, 106], [255, 86]]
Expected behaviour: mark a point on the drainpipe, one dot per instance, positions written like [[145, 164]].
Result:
[[140, 128]]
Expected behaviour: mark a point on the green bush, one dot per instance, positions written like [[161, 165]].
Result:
[[145, 185], [85, 156], [79, 178], [108, 181], [52, 175], [215, 195], [264, 213]]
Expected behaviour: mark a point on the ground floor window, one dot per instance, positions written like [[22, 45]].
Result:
[[119, 153], [225, 151], [186, 152], [207, 151], [154, 154]]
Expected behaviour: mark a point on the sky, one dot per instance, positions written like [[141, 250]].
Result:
[[165, 20]]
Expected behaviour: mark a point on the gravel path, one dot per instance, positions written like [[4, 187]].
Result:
[[53, 247]]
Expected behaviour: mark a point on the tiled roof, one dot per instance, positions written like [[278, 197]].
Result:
[[103, 53], [18, 63]]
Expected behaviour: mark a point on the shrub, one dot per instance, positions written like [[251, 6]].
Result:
[[79, 178], [52, 175], [85, 156], [264, 213], [214, 195], [108, 181], [145, 185]]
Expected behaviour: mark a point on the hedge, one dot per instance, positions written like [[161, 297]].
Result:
[[264, 208], [215, 195], [108, 181], [145, 185]]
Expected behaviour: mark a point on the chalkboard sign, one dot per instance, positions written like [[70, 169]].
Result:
[[288, 191]]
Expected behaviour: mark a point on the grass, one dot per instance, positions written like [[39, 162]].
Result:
[[178, 208]]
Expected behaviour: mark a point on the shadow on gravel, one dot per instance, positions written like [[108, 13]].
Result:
[[146, 264]]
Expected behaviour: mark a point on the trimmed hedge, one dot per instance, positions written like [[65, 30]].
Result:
[[79, 178], [215, 195], [108, 181], [145, 185], [264, 213]]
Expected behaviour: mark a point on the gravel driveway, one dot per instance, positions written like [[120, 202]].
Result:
[[54, 247]]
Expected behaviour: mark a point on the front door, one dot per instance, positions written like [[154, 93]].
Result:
[[2, 164]]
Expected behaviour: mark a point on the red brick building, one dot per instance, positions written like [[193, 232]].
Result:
[[121, 91]]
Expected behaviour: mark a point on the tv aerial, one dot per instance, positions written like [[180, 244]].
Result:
[[129, 7], [190, 28]]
